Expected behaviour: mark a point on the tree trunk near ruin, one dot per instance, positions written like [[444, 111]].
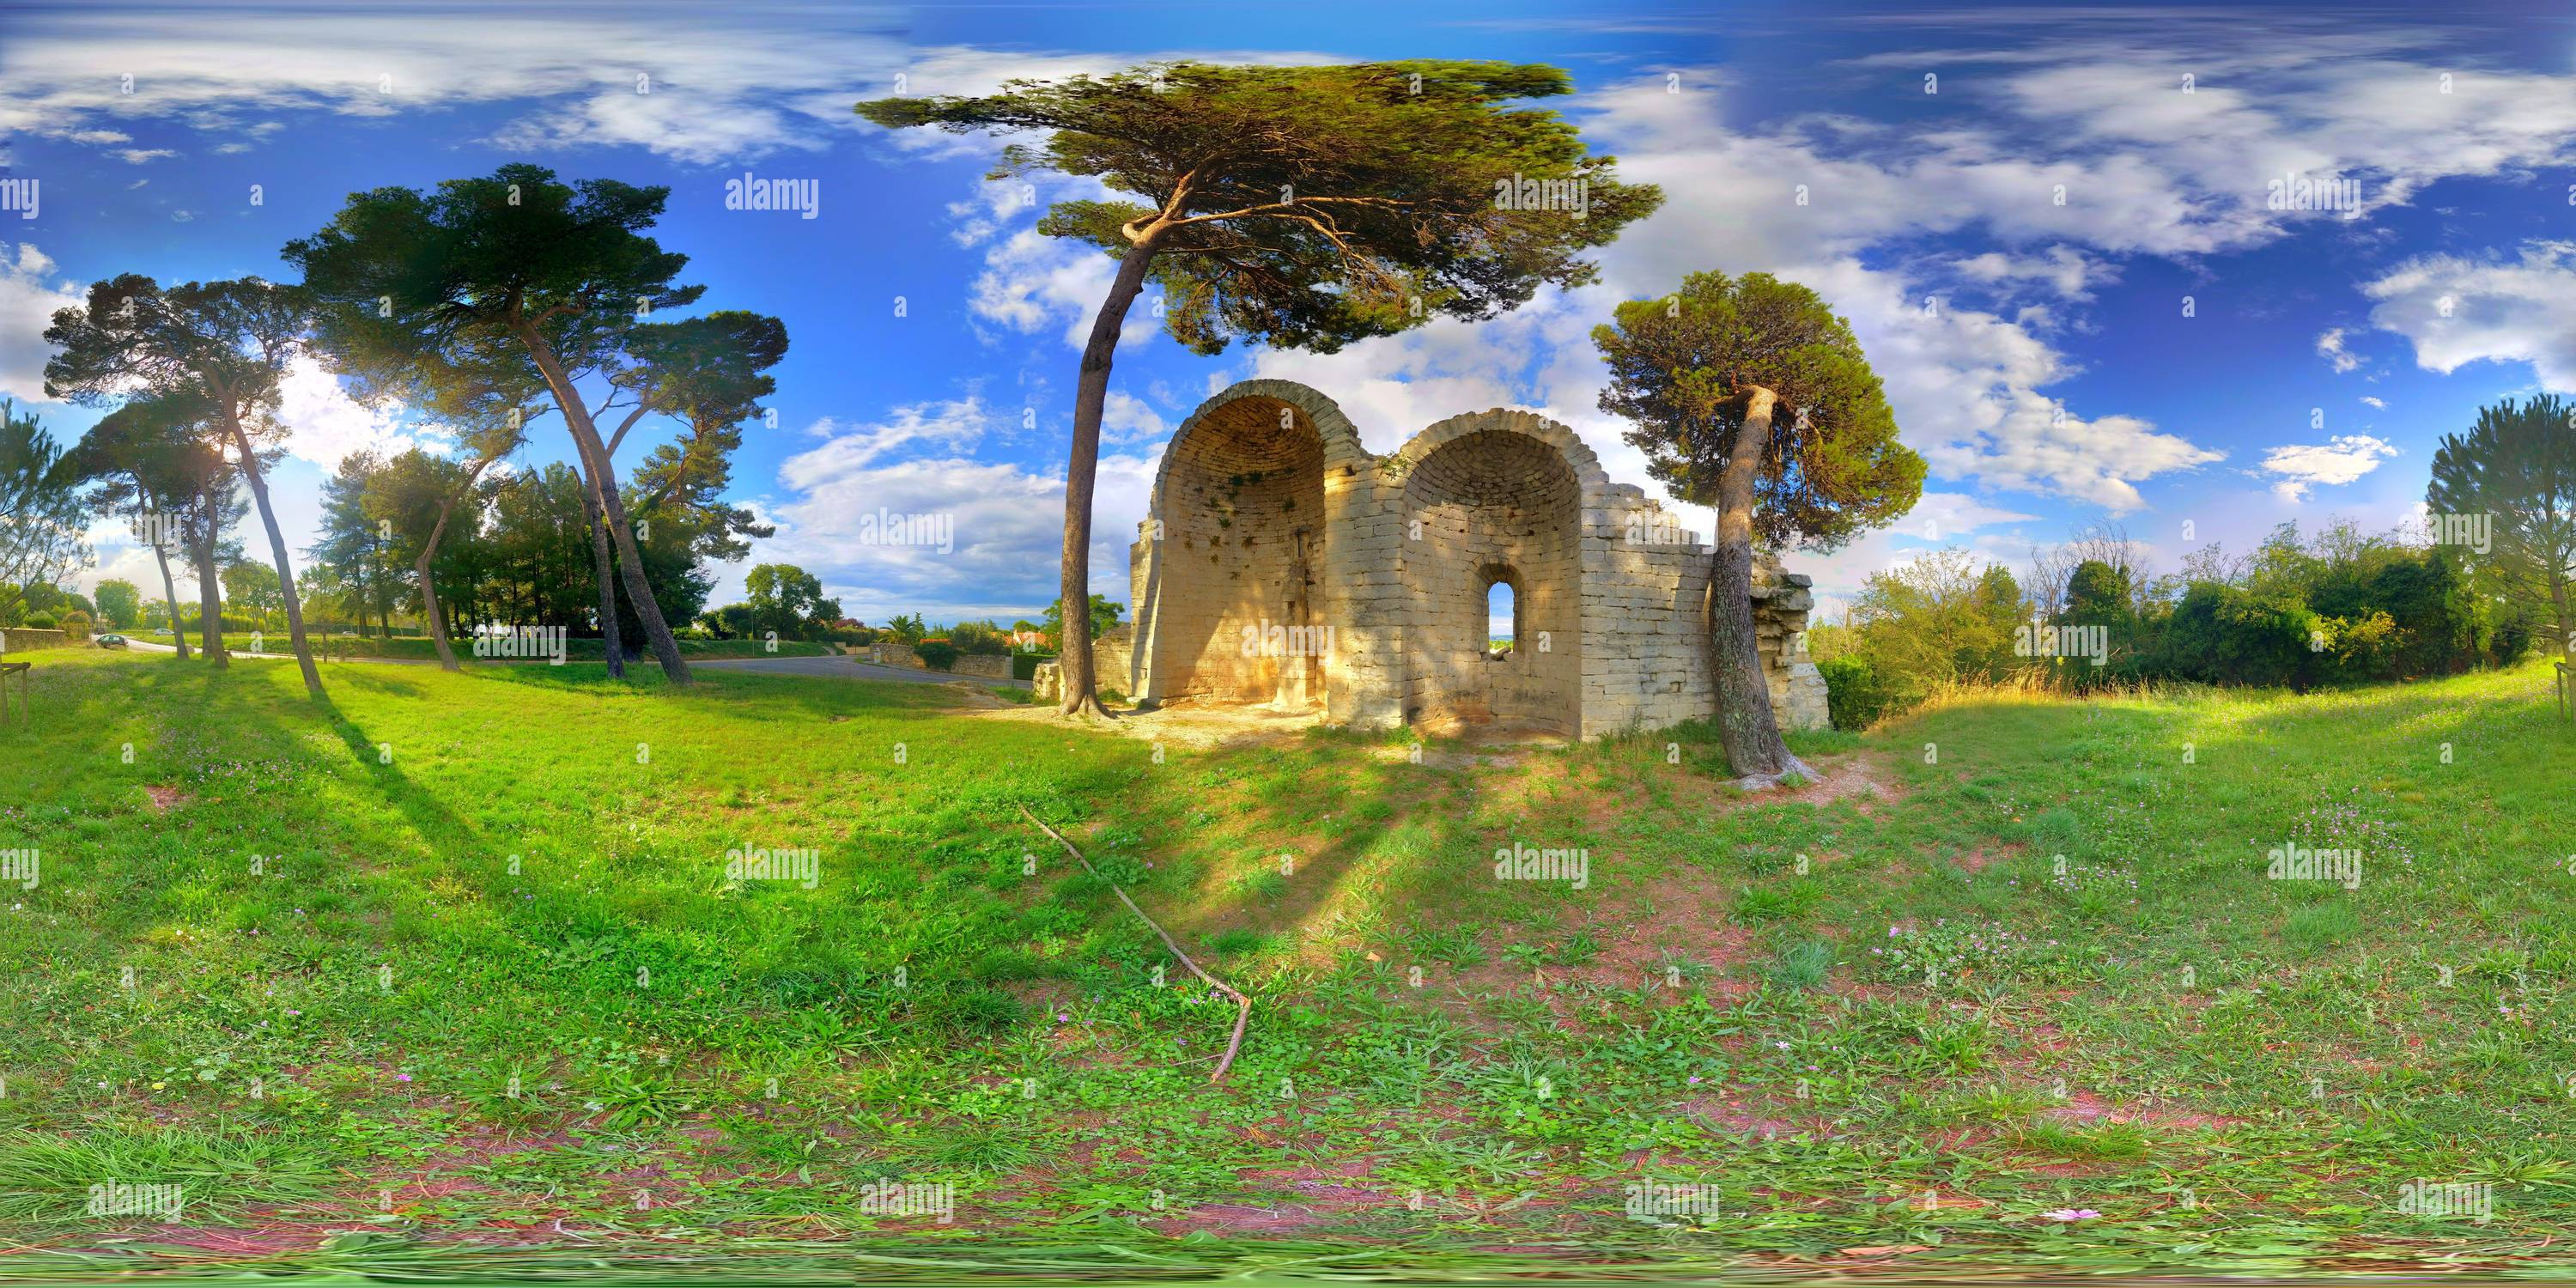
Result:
[[1090, 394], [1746, 725]]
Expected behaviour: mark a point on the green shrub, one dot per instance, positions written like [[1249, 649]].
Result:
[[1024, 666], [42, 622], [1855, 694], [938, 655]]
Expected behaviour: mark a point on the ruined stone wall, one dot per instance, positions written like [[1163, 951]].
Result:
[[1494, 506], [1641, 623], [1398, 555], [1240, 500]]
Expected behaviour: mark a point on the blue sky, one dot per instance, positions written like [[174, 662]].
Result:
[[2015, 249]]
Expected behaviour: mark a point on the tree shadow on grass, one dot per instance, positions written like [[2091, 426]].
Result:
[[432, 820]]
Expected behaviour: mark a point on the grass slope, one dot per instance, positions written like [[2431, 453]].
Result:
[[461, 955]]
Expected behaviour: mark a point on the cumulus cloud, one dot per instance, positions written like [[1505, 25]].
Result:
[[1005, 523], [325, 426], [1813, 202], [2337, 461], [27, 304], [2457, 310], [1032, 282], [1126, 418], [709, 86], [698, 87]]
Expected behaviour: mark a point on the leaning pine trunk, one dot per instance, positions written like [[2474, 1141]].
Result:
[[611, 645], [277, 550], [1090, 394], [585, 438], [430, 616], [170, 593], [1745, 723]]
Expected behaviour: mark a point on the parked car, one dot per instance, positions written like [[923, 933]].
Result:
[[111, 641]]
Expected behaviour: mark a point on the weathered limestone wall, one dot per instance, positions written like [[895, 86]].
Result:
[[1494, 505], [1242, 506], [1268, 512], [1781, 602]]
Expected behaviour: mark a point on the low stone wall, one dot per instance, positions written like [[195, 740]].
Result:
[[988, 665], [23, 639], [995, 666]]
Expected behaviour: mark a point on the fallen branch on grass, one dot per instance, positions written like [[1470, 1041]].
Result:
[[1243, 1005]]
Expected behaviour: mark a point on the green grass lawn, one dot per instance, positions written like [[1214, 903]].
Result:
[[420, 649], [495, 955]]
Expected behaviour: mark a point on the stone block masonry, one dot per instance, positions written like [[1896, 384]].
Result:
[[1285, 565]]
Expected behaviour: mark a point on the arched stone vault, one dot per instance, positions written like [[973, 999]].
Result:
[[1283, 564]]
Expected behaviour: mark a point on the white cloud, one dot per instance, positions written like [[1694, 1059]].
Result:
[[2456, 311], [1031, 282], [951, 426], [1126, 418], [1967, 385], [2063, 269], [995, 201], [27, 304], [2373, 403], [2339, 460], [2330, 347], [1007, 524], [723, 86], [325, 426]]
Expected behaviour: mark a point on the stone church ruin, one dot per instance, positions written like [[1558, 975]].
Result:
[[1284, 566]]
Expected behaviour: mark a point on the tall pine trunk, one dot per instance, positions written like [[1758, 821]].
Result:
[[604, 571], [170, 593], [585, 437], [1746, 725], [277, 550], [431, 617], [1090, 394], [210, 604]]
